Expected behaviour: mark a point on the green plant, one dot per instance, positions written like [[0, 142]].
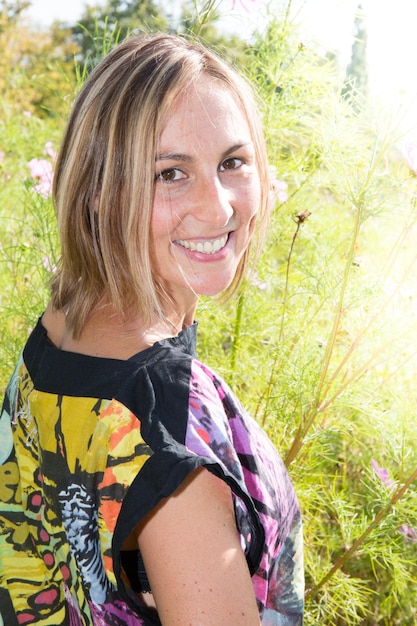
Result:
[[323, 353]]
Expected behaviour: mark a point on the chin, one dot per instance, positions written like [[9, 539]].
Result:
[[212, 290], [211, 286]]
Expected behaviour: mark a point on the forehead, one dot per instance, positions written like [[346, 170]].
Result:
[[207, 108]]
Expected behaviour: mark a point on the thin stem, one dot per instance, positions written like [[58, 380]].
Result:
[[287, 276], [236, 331], [339, 310], [203, 17], [287, 11], [360, 540], [312, 410]]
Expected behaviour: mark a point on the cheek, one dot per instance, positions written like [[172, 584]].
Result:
[[161, 218], [251, 200]]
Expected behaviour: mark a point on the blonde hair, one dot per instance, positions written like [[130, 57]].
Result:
[[104, 176]]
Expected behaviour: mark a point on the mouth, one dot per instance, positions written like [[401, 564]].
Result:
[[205, 247]]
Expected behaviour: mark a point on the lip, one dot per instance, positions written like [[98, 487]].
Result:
[[207, 248]]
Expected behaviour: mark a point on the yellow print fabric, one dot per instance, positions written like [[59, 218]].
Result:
[[66, 464]]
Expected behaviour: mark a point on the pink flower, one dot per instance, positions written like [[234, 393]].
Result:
[[382, 474], [49, 150], [278, 192], [39, 168], [410, 534], [411, 156], [48, 265], [256, 282], [42, 173], [280, 187], [244, 4]]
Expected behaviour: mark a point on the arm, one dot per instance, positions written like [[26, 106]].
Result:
[[193, 558]]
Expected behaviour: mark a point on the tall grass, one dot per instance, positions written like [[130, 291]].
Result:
[[320, 343]]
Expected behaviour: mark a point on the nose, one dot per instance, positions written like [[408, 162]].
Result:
[[215, 202]]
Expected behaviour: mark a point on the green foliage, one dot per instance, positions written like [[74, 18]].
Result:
[[320, 343], [102, 25], [29, 247], [201, 22], [35, 72], [10, 12], [117, 20]]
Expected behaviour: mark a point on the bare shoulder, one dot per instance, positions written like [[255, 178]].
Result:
[[104, 334], [193, 558], [54, 323]]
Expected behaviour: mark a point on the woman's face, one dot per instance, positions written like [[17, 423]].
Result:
[[207, 193]]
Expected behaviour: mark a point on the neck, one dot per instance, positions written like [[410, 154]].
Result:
[[109, 335], [179, 314]]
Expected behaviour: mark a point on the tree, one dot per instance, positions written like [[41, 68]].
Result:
[[103, 25], [34, 76], [10, 12], [201, 22]]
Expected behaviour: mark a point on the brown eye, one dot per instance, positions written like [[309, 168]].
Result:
[[166, 175], [169, 175], [231, 163]]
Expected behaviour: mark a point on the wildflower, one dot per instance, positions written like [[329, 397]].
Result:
[[244, 4], [27, 113], [382, 474], [410, 534], [301, 216], [411, 155], [279, 188], [48, 265], [49, 150], [259, 284], [42, 173]]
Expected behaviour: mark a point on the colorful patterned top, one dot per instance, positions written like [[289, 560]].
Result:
[[88, 446]]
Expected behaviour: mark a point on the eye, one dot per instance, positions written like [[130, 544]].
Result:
[[169, 175], [231, 163]]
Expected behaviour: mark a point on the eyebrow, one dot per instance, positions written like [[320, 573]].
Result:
[[186, 158], [173, 156]]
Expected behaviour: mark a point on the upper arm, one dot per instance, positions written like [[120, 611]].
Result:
[[193, 558]]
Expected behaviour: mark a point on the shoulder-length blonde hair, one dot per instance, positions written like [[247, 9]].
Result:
[[104, 176]]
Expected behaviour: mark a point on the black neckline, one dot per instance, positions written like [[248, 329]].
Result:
[[70, 373]]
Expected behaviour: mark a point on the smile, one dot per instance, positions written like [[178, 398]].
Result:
[[206, 247]]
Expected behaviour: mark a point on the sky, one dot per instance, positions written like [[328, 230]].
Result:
[[391, 26], [45, 11], [392, 42]]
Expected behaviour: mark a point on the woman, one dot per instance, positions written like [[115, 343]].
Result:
[[139, 491]]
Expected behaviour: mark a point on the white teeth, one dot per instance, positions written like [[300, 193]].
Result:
[[208, 247]]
